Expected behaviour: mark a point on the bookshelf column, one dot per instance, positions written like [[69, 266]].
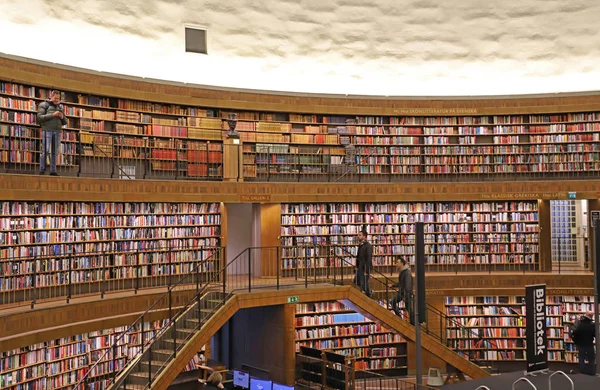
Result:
[[233, 160], [545, 219]]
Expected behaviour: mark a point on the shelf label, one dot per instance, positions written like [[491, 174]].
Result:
[[293, 299], [255, 198]]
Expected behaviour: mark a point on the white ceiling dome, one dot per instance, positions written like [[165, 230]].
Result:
[[377, 47]]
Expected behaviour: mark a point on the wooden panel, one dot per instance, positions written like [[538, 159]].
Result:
[[289, 340], [270, 223], [94, 314], [232, 160], [545, 217], [51, 75], [45, 188]]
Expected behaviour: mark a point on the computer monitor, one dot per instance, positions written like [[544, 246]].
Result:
[[241, 379], [279, 386], [260, 384]]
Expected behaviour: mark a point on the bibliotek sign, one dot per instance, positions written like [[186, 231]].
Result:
[[537, 339]]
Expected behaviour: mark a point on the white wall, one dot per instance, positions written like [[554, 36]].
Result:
[[374, 47], [240, 231]]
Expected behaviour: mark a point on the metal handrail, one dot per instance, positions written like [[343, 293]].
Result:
[[141, 317], [523, 379], [429, 307], [559, 373], [483, 387], [111, 159]]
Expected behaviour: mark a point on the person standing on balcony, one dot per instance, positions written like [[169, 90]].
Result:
[[583, 337], [52, 118], [405, 290], [364, 262]]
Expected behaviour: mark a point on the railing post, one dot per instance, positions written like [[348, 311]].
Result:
[[174, 338], [149, 366], [70, 259], [305, 267], [177, 159], [315, 268], [224, 269], [199, 311], [103, 280], [170, 306], [169, 254], [268, 163], [387, 295], [142, 335], [442, 332], [137, 273], [79, 153], [198, 272], [277, 264], [34, 281], [334, 265], [115, 371], [249, 269], [112, 157]]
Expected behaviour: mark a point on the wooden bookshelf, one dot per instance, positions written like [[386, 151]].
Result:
[[61, 363], [47, 245], [331, 326], [466, 233], [168, 138], [497, 325]]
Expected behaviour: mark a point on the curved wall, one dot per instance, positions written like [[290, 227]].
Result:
[[379, 47], [35, 72]]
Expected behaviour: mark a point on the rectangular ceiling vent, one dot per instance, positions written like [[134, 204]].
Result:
[[195, 40]]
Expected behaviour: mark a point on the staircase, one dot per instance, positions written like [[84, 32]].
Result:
[[166, 347], [378, 313], [237, 286]]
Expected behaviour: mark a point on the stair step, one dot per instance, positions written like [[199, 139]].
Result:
[[138, 379], [186, 330], [155, 365], [170, 340], [162, 351], [132, 387]]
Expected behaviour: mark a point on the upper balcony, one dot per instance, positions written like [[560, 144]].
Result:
[[128, 128]]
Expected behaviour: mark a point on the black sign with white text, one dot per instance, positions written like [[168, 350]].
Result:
[[537, 340]]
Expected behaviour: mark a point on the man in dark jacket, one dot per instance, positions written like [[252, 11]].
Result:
[[583, 337], [364, 262], [405, 290], [52, 118]]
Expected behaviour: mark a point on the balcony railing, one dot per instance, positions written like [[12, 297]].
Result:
[[164, 158]]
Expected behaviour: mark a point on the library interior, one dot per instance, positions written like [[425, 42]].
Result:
[[171, 235]]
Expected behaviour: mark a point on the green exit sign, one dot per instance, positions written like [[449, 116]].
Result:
[[572, 195], [294, 299]]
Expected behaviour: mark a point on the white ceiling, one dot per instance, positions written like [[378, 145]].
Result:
[[378, 47]]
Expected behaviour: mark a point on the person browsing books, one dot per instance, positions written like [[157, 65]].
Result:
[[51, 118], [583, 337]]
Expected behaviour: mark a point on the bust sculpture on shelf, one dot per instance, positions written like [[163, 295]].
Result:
[[232, 123]]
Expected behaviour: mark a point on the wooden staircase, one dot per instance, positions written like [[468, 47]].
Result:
[[350, 295]]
